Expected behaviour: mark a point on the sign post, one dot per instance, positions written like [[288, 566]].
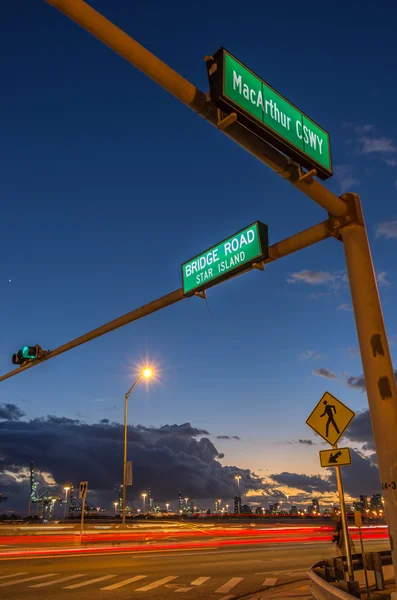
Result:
[[358, 520], [330, 419], [82, 496]]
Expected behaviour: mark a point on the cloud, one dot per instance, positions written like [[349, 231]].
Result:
[[364, 128], [345, 175], [317, 295], [11, 412], [346, 307], [381, 145], [311, 277], [311, 354], [306, 442], [391, 162], [352, 352], [227, 437], [179, 430], [358, 382], [164, 458], [360, 430], [382, 279], [386, 229], [361, 478], [308, 483], [324, 373]]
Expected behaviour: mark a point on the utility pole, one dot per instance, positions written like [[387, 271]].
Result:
[[347, 223]]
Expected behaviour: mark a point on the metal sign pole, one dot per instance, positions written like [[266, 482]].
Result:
[[343, 516], [82, 516], [364, 565]]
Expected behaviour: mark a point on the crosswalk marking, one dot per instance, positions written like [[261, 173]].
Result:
[[89, 582], [27, 579], [183, 589], [120, 584], [227, 597], [200, 580], [156, 584], [229, 585], [40, 585], [13, 575], [270, 581]]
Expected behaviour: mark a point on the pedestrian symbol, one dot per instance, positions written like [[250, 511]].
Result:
[[335, 458], [329, 412], [330, 418]]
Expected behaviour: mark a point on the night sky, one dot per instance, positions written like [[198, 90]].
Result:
[[109, 184]]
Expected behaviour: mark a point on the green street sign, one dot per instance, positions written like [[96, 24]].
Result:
[[262, 110], [234, 255]]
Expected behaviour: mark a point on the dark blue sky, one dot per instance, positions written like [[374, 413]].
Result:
[[108, 184]]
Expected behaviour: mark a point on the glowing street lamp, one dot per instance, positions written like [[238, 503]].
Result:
[[238, 477], [227, 508], [146, 373], [186, 499], [144, 501], [115, 508], [66, 489], [167, 506]]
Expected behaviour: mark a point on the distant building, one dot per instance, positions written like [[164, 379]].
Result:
[[237, 505], [180, 501], [376, 502], [364, 503], [274, 508], [258, 510], [294, 510], [246, 509]]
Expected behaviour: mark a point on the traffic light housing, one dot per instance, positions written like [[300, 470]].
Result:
[[26, 354]]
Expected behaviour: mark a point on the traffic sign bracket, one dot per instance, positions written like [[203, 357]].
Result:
[[223, 123], [202, 294], [308, 176], [260, 266]]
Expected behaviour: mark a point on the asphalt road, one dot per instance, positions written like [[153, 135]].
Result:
[[208, 573]]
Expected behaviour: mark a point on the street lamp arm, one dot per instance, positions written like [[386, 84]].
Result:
[[132, 387]]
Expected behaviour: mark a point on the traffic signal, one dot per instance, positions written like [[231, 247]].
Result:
[[26, 354]]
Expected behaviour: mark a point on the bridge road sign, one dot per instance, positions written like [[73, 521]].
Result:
[[335, 458], [83, 489], [330, 418], [231, 256]]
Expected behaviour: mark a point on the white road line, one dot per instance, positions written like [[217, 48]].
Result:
[[79, 585], [39, 585], [270, 581], [227, 597], [156, 584], [13, 575], [119, 584], [27, 579], [229, 585], [200, 580], [183, 589]]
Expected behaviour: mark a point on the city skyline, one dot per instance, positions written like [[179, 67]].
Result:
[[110, 186]]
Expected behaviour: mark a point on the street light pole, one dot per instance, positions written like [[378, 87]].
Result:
[[146, 373], [66, 488]]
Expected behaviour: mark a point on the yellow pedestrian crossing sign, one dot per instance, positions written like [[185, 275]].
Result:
[[335, 458], [330, 418]]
